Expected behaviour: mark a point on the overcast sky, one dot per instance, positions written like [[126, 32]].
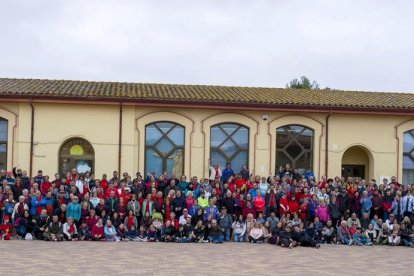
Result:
[[350, 45]]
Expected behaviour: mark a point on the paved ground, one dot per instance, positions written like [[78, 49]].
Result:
[[133, 258]]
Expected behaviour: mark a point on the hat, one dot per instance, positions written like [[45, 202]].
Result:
[[6, 217], [127, 189]]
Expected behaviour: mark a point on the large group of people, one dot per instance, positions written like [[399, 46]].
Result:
[[287, 209]]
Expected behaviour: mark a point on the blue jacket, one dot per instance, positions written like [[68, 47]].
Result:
[[226, 174], [252, 192], [366, 204], [213, 210], [73, 210], [35, 203]]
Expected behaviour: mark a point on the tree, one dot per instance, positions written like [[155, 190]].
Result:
[[303, 83]]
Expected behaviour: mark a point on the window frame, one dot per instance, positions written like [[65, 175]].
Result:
[[294, 139], [229, 137], [153, 146], [5, 142], [409, 154]]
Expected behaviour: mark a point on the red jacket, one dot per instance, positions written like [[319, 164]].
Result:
[[293, 206], [283, 202], [97, 231], [247, 210], [259, 203], [44, 187]]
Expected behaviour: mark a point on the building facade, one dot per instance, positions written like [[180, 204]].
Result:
[[103, 127]]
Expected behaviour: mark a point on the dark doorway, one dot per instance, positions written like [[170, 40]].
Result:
[[353, 170]]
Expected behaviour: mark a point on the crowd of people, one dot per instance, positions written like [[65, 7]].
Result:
[[287, 209]]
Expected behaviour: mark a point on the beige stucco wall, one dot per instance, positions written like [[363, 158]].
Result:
[[99, 124]]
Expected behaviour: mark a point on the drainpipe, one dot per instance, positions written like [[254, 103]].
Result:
[[398, 153], [31, 139], [120, 138], [327, 141]]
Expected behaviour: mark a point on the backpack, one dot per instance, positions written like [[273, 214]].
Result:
[[28, 237]]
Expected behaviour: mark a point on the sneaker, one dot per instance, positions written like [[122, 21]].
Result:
[[350, 243]]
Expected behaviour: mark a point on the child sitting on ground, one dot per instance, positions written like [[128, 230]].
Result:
[[6, 229], [132, 234]]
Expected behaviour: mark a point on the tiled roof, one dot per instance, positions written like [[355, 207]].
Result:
[[199, 94]]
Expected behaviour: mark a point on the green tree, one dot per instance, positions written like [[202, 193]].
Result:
[[303, 83]]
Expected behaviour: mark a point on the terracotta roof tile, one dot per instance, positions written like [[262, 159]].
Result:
[[272, 97]]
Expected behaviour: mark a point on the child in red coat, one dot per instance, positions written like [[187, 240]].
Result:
[[293, 205], [283, 205], [6, 229]]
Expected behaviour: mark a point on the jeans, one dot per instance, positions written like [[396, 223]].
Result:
[[345, 241], [227, 234], [238, 237], [184, 240], [407, 242], [216, 239]]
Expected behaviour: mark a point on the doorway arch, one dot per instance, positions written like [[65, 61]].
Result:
[[357, 161]]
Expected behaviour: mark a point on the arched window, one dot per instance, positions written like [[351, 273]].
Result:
[[294, 146], [164, 148], [76, 153], [408, 157], [3, 143], [229, 143]]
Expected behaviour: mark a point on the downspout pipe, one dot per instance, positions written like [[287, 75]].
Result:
[[327, 141], [120, 137], [31, 139]]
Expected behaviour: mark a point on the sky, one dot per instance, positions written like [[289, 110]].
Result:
[[349, 45]]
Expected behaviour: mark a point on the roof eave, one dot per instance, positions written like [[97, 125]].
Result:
[[211, 104]]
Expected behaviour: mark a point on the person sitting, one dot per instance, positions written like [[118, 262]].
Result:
[[70, 232], [406, 235], [84, 232], [285, 238], [152, 234], [239, 229], [142, 235], [394, 237], [256, 235], [359, 238], [343, 235], [6, 229], [199, 232], [41, 224], [53, 231], [121, 232], [382, 238], [132, 234], [97, 233], [215, 233], [110, 231], [274, 239]]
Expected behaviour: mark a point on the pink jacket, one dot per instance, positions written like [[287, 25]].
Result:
[[322, 213], [256, 232]]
